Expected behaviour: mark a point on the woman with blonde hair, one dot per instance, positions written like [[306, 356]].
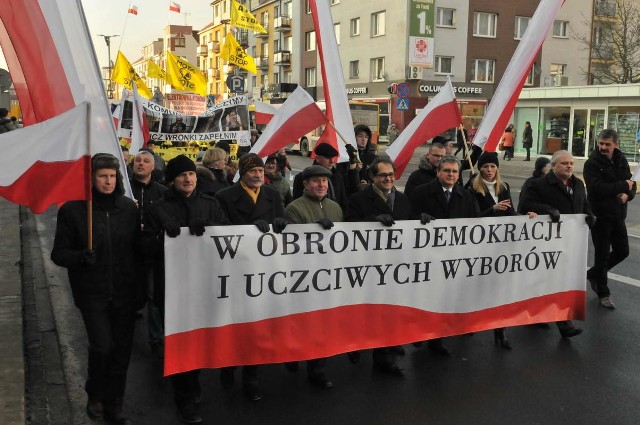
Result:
[[212, 174]]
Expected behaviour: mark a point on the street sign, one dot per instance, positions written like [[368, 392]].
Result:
[[392, 88], [402, 104], [403, 90], [235, 83]]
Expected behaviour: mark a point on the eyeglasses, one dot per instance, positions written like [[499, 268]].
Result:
[[385, 175]]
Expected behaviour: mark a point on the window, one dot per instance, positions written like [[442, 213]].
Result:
[[445, 17], [310, 41], [377, 69], [336, 30], [531, 76], [560, 28], [310, 77], [443, 65], [354, 69], [288, 76], [264, 52], [354, 27], [334, 2], [264, 80], [558, 69], [377, 24], [276, 78], [307, 7], [287, 8], [265, 20], [288, 43], [483, 70], [484, 24], [180, 42], [521, 26], [254, 81]]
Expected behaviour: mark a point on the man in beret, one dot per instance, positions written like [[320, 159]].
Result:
[[314, 206], [182, 206], [344, 180], [250, 201]]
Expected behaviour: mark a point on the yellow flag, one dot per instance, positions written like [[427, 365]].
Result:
[[154, 71], [124, 73], [242, 18], [235, 54], [184, 76]]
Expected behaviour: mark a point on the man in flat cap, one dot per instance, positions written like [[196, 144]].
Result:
[[182, 206], [250, 201]]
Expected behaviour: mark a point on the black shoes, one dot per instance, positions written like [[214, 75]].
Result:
[[501, 339], [226, 377], [354, 356], [95, 409], [570, 332], [438, 347], [321, 381], [189, 413]]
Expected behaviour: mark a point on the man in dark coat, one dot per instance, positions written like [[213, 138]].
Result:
[[609, 188], [381, 202], [182, 206], [443, 198], [367, 151], [250, 201], [559, 192], [428, 167], [344, 181], [103, 282], [527, 139]]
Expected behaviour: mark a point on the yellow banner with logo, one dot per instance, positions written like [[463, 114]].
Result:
[[154, 71], [184, 76], [123, 73], [242, 18], [235, 54]]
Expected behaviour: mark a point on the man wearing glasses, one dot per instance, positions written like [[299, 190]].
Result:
[[443, 198], [428, 165]]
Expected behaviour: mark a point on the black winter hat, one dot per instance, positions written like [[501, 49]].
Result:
[[361, 127], [488, 158], [104, 160], [177, 166], [326, 150]]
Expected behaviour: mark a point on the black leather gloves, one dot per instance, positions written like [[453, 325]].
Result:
[[262, 225], [425, 218], [590, 220], [386, 219], [555, 215], [88, 257], [279, 223], [172, 229], [196, 227], [325, 223], [353, 154]]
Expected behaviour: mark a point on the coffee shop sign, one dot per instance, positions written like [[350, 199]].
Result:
[[423, 88], [357, 90]]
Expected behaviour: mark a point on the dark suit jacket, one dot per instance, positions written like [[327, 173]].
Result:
[[548, 192], [367, 204], [240, 209], [429, 198]]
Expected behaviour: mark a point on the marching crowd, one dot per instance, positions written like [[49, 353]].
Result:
[[119, 268]]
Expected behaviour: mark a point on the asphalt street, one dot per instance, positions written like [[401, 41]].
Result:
[[591, 379]]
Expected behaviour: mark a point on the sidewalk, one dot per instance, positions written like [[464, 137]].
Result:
[[12, 370]]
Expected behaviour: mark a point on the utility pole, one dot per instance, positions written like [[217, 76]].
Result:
[[107, 40]]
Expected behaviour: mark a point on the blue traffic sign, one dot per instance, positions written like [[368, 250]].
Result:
[[402, 104], [403, 90]]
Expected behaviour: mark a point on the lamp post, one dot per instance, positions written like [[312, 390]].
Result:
[[107, 40]]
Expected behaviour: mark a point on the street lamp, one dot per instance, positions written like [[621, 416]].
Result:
[[107, 40]]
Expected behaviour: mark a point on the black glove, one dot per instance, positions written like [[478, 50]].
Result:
[[386, 219], [590, 220], [172, 229], [279, 223], [196, 227], [325, 223], [262, 225], [555, 215], [426, 218], [353, 154], [88, 257]]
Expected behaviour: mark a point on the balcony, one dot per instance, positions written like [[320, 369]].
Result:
[[260, 34], [282, 24], [213, 73], [282, 58], [214, 46], [242, 36], [202, 50], [605, 9], [262, 62]]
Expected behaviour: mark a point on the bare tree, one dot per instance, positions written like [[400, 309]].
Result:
[[614, 42]]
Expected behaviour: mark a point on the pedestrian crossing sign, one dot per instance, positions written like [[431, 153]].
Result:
[[402, 104]]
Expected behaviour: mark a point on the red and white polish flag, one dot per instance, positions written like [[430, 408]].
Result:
[[264, 112], [335, 95], [140, 128], [440, 114], [174, 7], [133, 9], [297, 116], [504, 100], [53, 67]]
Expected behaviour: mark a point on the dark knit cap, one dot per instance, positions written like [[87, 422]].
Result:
[[315, 171], [177, 166], [488, 158], [224, 145], [326, 150], [361, 127], [249, 161]]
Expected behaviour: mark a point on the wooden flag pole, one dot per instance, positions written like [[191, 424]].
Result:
[[342, 138], [466, 150]]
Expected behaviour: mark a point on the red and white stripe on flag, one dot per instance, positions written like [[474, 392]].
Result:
[[264, 112], [174, 7], [335, 95], [504, 100], [297, 116], [441, 114], [53, 67], [140, 128], [133, 9]]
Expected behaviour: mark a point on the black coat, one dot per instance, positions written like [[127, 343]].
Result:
[[146, 195], [424, 174], [429, 198], [605, 180], [116, 234], [486, 202], [240, 209], [549, 192], [367, 156], [344, 182], [367, 204]]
